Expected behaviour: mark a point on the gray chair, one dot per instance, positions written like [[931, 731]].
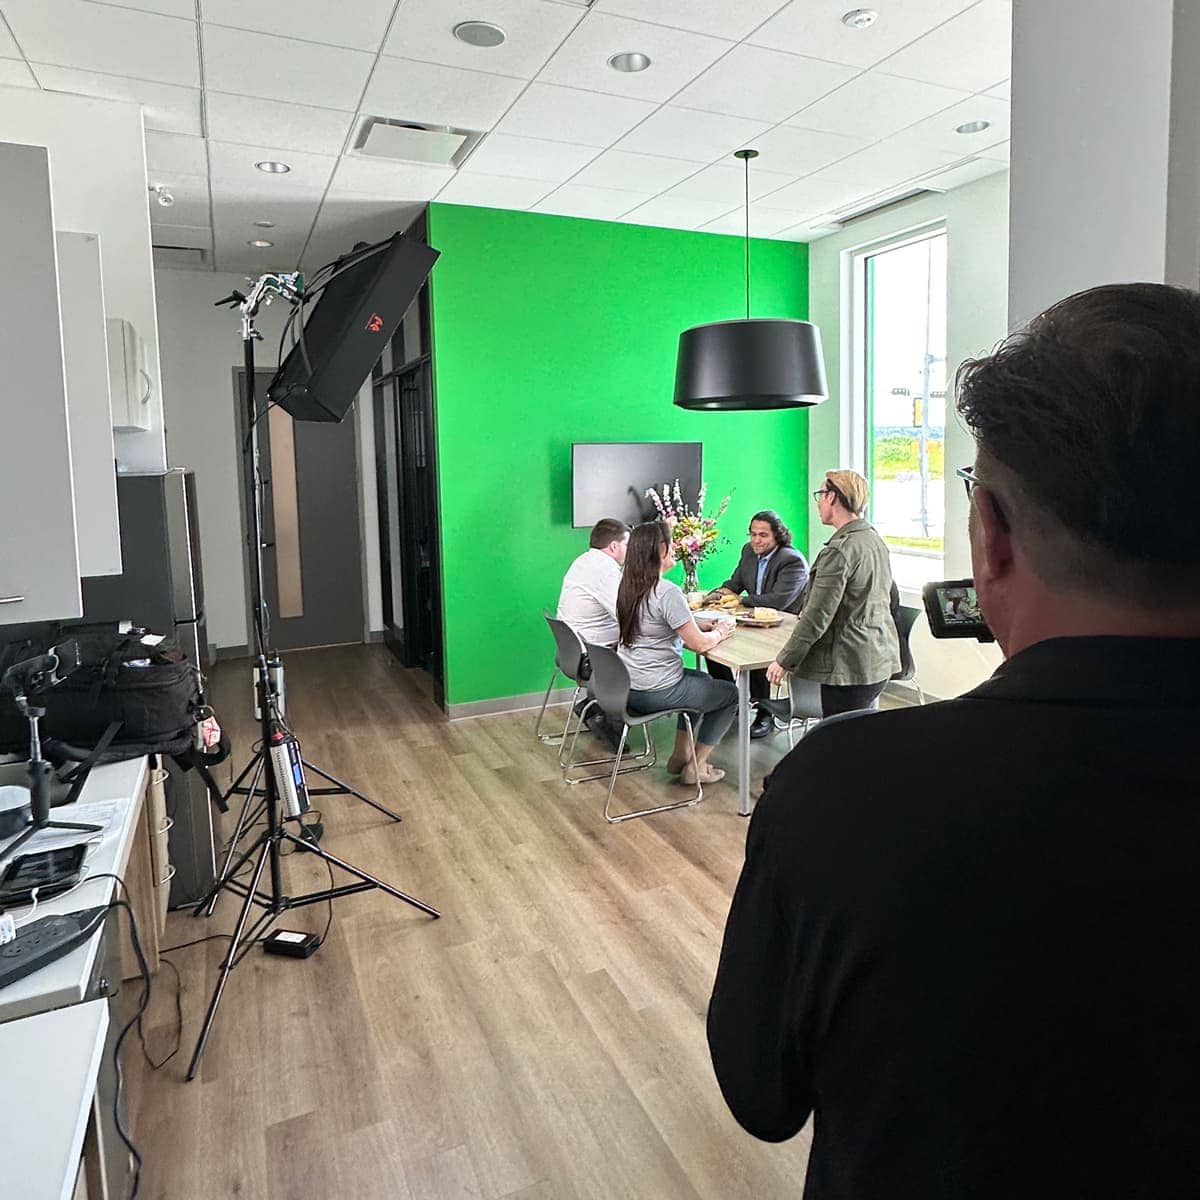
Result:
[[568, 661], [801, 705], [610, 686], [906, 618]]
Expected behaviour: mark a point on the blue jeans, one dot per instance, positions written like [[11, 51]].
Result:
[[713, 701]]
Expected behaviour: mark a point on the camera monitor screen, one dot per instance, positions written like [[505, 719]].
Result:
[[609, 479], [953, 610]]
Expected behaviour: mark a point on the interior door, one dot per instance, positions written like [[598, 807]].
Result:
[[312, 552]]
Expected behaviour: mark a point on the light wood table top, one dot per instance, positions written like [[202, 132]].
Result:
[[752, 648]]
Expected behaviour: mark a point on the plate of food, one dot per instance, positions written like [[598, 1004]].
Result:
[[760, 618]]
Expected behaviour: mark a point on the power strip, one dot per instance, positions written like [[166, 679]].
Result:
[[44, 941]]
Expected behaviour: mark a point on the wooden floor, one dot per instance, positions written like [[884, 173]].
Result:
[[543, 1040]]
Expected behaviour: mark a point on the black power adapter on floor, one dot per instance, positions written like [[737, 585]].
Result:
[[291, 943]]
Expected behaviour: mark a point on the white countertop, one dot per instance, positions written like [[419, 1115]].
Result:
[[65, 981], [50, 1066]]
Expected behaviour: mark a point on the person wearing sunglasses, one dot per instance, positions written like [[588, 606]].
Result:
[[845, 635], [965, 939]]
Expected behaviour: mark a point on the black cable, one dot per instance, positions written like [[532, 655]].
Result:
[[212, 937], [157, 1066]]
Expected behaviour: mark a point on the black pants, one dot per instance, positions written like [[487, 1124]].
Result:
[[760, 689], [840, 698]]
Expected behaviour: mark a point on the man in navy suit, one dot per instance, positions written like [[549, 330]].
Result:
[[770, 574]]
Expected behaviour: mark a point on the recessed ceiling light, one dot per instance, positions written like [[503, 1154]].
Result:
[[162, 194], [479, 33], [260, 243], [264, 224], [973, 127], [629, 60], [860, 18], [273, 168]]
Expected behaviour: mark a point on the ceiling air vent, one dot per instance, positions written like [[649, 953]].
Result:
[[872, 207], [187, 258], [412, 141]]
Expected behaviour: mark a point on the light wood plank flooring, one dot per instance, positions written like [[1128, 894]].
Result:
[[543, 1041]]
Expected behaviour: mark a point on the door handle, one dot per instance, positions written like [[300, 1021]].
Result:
[[11, 599]]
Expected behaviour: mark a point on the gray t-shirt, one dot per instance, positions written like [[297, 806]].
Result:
[[655, 660]]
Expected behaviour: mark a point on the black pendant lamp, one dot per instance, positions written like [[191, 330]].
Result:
[[730, 366]]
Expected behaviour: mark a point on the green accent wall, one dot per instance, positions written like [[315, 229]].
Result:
[[551, 330]]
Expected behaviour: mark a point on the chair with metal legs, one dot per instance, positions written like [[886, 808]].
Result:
[[906, 618], [802, 704], [610, 686], [568, 661]]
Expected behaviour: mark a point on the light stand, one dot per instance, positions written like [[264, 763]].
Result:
[[271, 900], [30, 676]]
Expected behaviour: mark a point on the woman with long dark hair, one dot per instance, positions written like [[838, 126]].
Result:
[[655, 624]]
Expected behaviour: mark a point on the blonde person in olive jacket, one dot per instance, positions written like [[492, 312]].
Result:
[[845, 638]]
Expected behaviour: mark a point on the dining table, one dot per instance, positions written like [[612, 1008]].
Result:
[[751, 648]]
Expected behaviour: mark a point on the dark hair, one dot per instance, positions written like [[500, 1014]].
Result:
[[606, 531], [643, 570], [783, 535], [1076, 416]]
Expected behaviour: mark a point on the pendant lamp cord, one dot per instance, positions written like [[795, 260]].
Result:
[[746, 163]]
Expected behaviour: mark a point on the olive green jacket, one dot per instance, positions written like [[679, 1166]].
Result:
[[844, 631]]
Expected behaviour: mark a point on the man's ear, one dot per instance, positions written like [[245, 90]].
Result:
[[991, 539]]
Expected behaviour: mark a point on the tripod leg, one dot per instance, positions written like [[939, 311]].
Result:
[[360, 874], [239, 829], [345, 787], [237, 783], [227, 965]]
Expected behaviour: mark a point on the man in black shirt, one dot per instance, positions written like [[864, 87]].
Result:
[[966, 938]]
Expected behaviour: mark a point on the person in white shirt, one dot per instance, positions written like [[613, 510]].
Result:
[[588, 600]]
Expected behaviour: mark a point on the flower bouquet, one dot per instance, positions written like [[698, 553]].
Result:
[[694, 535]]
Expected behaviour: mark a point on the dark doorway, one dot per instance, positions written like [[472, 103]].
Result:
[[312, 555]]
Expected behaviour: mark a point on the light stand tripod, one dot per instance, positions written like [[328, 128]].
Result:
[[272, 900], [30, 675]]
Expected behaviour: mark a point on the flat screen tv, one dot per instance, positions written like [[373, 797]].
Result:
[[609, 479]]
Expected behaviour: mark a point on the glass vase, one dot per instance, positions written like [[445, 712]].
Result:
[[691, 582]]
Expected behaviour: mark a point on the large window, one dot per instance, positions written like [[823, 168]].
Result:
[[903, 389]]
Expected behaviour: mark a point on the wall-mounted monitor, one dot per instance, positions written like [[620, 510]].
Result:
[[609, 479]]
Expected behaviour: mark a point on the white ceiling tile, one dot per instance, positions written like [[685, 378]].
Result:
[[98, 37], [939, 131], [232, 254], [424, 30], [196, 236], [235, 217], [168, 8], [14, 73], [528, 158], [164, 106], [764, 222], [493, 191], [635, 172], [801, 151], [191, 205], [275, 68], [359, 26], [676, 57], [176, 153], [726, 185], [579, 200], [8, 47], [972, 52], [354, 218], [691, 134], [815, 194], [874, 105], [235, 164], [766, 85], [412, 91], [564, 114], [887, 164], [674, 213], [998, 153], [806, 231], [721, 18], [1002, 91], [289, 126], [814, 27], [395, 181], [967, 172]]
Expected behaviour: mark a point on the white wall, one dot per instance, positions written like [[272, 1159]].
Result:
[[202, 348], [98, 177], [976, 220]]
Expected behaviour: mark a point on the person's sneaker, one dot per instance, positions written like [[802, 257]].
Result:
[[764, 724]]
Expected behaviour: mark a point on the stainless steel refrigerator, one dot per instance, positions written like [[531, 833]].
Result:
[[161, 587]]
